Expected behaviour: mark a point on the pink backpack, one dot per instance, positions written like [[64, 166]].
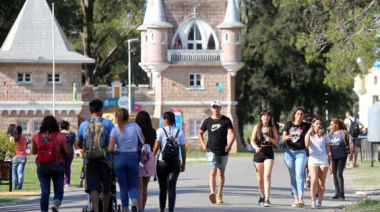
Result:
[[144, 150]]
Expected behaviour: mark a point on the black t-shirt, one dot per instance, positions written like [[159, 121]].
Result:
[[298, 133], [217, 134]]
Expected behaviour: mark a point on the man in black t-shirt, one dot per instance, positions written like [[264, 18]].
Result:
[[218, 127]]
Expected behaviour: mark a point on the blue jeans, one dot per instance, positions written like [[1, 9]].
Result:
[[296, 161], [45, 180], [126, 166], [18, 165]]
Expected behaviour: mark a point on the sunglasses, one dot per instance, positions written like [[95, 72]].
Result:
[[309, 119]]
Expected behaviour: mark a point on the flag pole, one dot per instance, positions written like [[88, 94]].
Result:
[[53, 76]]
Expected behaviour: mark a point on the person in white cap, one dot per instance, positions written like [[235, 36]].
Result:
[[217, 147]]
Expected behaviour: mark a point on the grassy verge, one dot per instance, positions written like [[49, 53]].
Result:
[[10, 198], [365, 176], [365, 205]]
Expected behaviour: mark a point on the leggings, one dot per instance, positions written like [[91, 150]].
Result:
[[338, 167], [167, 175]]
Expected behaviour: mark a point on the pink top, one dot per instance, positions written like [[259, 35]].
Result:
[[20, 149]]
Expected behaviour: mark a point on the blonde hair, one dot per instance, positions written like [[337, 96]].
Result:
[[341, 124], [122, 116]]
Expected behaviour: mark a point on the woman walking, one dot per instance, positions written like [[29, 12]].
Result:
[[49, 131], [19, 160], [168, 172], [320, 160], [295, 155], [70, 138], [264, 136], [126, 160], [341, 146], [145, 123]]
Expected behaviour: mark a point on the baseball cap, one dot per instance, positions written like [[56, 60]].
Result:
[[216, 102]]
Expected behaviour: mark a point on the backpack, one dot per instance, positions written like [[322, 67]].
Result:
[[95, 141], [354, 129], [46, 162], [144, 150], [170, 153]]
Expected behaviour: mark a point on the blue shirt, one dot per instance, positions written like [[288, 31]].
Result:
[[128, 140], [108, 126], [337, 146]]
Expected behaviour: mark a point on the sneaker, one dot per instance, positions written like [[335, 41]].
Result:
[[67, 185], [212, 197], [295, 204], [349, 167], [134, 207], [336, 196], [342, 197], [19, 188], [261, 200], [319, 205], [267, 203], [79, 186], [301, 203], [219, 198], [54, 209], [313, 204]]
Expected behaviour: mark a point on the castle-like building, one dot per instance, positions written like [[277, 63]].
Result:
[[190, 50]]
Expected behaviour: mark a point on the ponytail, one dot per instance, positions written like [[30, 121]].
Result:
[[65, 125], [122, 116], [17, 130], [170, 117]]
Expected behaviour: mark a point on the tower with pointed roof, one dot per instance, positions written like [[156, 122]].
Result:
[[191, 50], [26, 71]]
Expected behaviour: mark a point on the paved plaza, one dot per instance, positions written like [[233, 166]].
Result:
[[241, 192]]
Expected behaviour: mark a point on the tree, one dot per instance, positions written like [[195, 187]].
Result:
[[276, 75], [348, 28]]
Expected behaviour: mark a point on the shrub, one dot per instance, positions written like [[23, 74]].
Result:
[[7, 148]]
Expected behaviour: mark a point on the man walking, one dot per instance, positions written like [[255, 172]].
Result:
[[353, 123], [217, 148]]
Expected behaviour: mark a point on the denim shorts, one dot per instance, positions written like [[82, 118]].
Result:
[[215, 161], [356, 141]]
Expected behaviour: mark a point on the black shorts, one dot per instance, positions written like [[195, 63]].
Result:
[[82, 173], [98, 172], [265, 154]]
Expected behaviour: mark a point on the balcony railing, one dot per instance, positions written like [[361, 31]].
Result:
[[195, 56]]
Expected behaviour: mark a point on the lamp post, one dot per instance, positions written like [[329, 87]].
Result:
[[129, 74]]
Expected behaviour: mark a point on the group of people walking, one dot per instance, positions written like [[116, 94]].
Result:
[[129, 150]]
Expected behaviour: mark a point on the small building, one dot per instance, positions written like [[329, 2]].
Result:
[[368, 90], [26, 72]]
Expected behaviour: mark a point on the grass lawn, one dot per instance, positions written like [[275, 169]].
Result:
[[10, 198], [365, 176], [365, 205]]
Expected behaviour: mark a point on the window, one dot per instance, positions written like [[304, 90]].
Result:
[[211, 43], [36, 126], [146, 38], [194, 38], [151, 37], [195, 80], [24, 125], [226, 38], [375, 99], [194, 128], [165, 37], [238, 38], [57, 78], [24, 78], [178, 42], [375, 80]]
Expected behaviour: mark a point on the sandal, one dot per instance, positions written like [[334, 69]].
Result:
[[295, 204]]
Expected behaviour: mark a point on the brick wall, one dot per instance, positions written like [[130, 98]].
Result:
[[39, 89]]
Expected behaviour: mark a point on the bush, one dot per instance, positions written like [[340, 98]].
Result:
[[7, 148]]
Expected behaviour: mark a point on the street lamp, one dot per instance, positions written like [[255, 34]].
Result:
[[129, 74]]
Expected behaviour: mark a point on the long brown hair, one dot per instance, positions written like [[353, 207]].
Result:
[[122, 116], [261, 124], [17, 130], [295, 111], [314, 120], [341, 124]]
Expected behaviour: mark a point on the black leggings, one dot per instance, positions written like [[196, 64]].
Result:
[[167, 175], [338, 167]]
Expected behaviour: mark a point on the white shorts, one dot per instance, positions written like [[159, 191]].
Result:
[[318, 161]]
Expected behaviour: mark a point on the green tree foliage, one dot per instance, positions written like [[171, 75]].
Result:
[[348, 28], [276, 75]]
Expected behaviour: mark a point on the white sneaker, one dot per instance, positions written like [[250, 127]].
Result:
[[295, 204], [313, 204]]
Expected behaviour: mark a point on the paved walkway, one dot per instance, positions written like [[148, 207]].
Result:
[[240, 194]]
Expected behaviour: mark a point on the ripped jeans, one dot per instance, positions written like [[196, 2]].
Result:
[[216, 162], [296, 161]]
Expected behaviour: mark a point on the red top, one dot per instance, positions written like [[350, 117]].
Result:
[[57, 144], [20, 148]]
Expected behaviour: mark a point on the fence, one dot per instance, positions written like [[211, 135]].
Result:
[[365, 148]]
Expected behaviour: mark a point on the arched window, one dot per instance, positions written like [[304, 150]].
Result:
[[375, 80], [211, 43], [226, 37], [146, 38], [178, 42], [152, 37], [194, 38], [238, 38]]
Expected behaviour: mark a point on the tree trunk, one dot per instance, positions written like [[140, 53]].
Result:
[[241, 130], [276, 112], [88, 17]]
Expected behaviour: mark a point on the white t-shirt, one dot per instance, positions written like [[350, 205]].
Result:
[[318, 144], [161, 137], [348, 122]]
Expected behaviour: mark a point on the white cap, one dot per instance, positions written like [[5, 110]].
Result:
[[216, 102]]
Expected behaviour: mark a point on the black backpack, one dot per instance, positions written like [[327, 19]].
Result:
[[170, 153], [354, 129]]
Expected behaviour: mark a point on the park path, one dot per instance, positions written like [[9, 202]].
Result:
[[240, 193]]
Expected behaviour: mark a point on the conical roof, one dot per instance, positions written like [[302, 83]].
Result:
[[31, 39], [231, 18], [154, 16]]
